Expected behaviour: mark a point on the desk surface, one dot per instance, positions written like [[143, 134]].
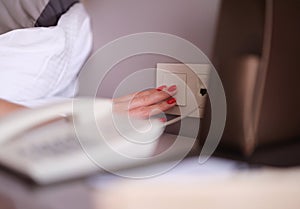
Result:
[[188, 183], [88, 193], [18, 193]]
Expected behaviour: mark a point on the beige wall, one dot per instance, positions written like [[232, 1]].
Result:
[[194, 20]]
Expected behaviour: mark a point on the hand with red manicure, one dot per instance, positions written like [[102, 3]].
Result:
[[141, 104], [147, 103]]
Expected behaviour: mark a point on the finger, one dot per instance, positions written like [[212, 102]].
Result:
[[151, 99], [129, 97], [147, 111], [138, 94], [144, 98], [141, 101]]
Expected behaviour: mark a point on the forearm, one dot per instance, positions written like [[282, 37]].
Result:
[[8, 107]]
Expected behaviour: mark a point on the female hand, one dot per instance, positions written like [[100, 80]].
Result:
[[141, 105], [146, 103]]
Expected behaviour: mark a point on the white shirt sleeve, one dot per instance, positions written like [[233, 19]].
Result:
[[40, 65]]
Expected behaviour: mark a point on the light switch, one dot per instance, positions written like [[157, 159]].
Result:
[[191, 81], [178, 79]]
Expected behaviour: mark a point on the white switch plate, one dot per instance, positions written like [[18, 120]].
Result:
[[190, 79]]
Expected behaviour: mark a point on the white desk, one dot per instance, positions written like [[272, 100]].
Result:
[[216, 184]]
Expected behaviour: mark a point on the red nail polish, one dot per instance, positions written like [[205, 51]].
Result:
[[161, 88], [172, 88], [163, 120], [171, 101]]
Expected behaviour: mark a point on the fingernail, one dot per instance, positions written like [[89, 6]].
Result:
[[172, 88], [171, 101], [161, 88], [163, 120]]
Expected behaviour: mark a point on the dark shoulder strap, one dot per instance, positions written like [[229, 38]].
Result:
[[52, 12]]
